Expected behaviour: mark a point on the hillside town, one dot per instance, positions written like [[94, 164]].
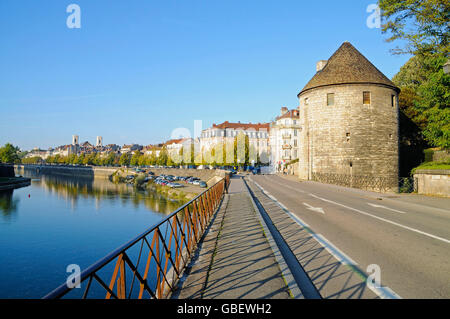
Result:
[[272, 144]]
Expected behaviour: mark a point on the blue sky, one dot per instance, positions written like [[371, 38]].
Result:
[[138, 69]]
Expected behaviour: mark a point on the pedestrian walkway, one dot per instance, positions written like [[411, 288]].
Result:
[[235, 260]]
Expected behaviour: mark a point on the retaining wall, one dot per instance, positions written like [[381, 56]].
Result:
[[432, 182]]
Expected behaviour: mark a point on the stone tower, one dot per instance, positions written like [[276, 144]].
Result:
[[349, 120], [99, 141]]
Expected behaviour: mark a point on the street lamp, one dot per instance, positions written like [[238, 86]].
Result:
[[447, 67]]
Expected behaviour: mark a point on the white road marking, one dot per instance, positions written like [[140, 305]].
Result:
[[339, 255], [383, 292], [383, 219], [388, 208], [287, 186], [380, 218], [314, 209]]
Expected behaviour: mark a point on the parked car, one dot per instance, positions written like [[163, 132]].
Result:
[[174, 185], [256, 171], [202, 184]]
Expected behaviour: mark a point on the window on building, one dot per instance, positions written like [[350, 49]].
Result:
[[393, 100], [366, 98], [330, 99], [348, 137], [306, 101], [295, 133], [295, 143]]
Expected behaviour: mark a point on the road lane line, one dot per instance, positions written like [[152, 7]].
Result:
[[333, 250], [380, 218], [388, 208], [383, 219], [284, 185], [383, 292]]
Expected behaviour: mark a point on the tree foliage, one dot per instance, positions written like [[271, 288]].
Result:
[[422, 24], [9, 154], [425, 96]]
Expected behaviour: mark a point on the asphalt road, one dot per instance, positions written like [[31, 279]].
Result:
[[408, 237]]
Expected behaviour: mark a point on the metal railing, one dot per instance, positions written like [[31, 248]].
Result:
[[166, 247]]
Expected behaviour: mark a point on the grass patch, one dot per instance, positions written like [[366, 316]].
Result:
[[432, 165]]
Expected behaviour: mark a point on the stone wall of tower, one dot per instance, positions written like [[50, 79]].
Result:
[[349, 143]]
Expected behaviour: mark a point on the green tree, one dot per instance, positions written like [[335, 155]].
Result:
[[72, 158], [9, 154], [421, 24], [98, 160], [56, 158], [241, 149], [134, 161], [425, 96], [89, 159], [152, 159], [124, 159], [32, 160], [143, 160], [80, 159], [109, 160], [163, 157]]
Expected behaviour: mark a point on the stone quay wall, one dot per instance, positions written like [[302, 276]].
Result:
[[106, 172]]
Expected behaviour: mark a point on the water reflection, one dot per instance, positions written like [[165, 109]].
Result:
[[8, 204], [78, 190]]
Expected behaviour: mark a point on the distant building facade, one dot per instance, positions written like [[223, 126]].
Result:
[[225, 134], [284, 139]]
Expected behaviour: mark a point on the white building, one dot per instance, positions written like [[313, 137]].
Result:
[[225, 133], [284, 139]]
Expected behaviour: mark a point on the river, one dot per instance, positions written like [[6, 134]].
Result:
[[58, 221]]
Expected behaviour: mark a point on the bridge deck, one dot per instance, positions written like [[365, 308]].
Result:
[[235, 260]]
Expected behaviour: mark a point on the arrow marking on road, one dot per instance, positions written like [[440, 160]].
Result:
[[382, 292], [381, 206], [315, 209]]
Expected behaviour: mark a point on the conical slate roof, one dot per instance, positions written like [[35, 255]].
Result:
[[348, 66]]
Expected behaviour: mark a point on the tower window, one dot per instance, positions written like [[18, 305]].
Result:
[[348, 137], [306, 101], [393, 100], [366, 98], [330, 99]]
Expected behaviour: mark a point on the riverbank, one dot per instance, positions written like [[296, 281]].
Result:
[[118, 174], [184, 194]]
